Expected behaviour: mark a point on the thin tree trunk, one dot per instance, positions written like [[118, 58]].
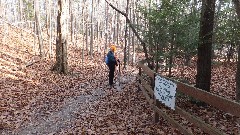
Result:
[[114, 25], [203, 78], [106, 29], [98, 29], [171, 56], [21, 17], [67, 17], [137, 21], [125, 38], [71, 2], [76, 28], [47, 16], [97, 35], [35, 37], [83, 32], [91, 41], [117, 33], [133, 36], [3, 15], [38, 26], [220, 3], [129, 38], [86, 29], [50, 26]]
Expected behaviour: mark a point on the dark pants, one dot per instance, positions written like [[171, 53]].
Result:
[[111, 73]]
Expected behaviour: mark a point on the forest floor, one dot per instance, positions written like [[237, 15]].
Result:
[[36, 100]]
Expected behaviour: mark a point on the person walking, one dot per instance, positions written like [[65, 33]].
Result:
[[112, 63]]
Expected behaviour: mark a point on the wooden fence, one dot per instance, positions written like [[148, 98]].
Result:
[[216, 101]]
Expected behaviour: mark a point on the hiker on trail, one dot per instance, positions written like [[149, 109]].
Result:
[[112, 63]]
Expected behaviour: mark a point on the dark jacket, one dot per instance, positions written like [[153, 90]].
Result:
[[111, 58]]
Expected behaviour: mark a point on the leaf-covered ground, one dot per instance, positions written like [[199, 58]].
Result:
[[35, 100]]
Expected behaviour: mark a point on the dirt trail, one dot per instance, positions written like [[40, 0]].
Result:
[[61, 119]]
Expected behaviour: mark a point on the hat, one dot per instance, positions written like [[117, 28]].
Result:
[[113, 48]]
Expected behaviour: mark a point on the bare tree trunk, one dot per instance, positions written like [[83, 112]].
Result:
[[86, 36], [67, 17], [98, 32], [125, 38], [50, 26], [2, 13], [35, 38], [47, 16], [83, 32], [106, 29], [171, 57], [129, 37], [91, 41], [237, 7], [21, 17], [238, 76], [137, 21], [114, 27], [71, 2], [76, 28], [98, 28], [220, 3], [38, 26], [133, 36], [61, 64], [203, 78], [117, 33]]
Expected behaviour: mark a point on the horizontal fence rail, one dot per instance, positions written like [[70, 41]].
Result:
[[214, 100]]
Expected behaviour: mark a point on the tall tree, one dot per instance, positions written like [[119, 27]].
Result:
[[129, 35], [203, 78], [91, 40], [49, 26], [83, 32], [61, 64], [21, 11], [118, 23], [71, 3], [133, 36], [38, 27], [21, 16], [98, 26], [106, 28], [237, 7], [125, 37]]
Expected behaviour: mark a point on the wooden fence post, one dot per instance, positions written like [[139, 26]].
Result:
[[156, 115]]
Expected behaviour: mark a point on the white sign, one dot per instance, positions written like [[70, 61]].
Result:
[[165, 91]]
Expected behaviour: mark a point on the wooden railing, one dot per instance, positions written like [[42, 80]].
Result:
[[216, 101]]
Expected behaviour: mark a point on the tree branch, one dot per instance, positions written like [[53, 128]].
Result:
[[124, 14], [134, 31]]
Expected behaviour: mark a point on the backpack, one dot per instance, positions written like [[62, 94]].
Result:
[[106, 60]]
